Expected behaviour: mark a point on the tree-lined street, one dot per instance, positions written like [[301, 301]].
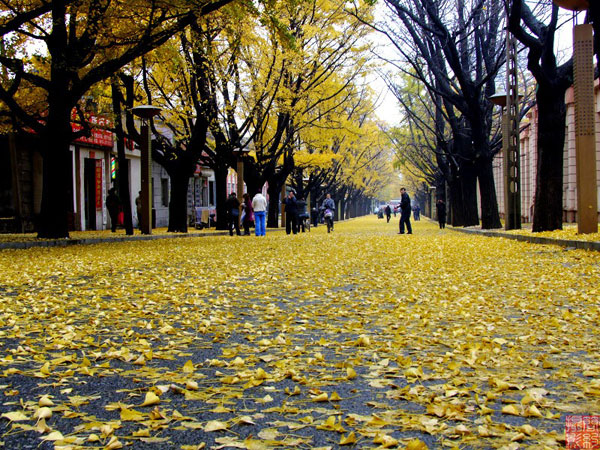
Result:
[[359, 338]]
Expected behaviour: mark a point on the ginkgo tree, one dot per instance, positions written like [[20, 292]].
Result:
[[344, 152], [325, 52], [64, 48]]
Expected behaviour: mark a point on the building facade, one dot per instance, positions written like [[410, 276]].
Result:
[[528, 161], [94, 170]]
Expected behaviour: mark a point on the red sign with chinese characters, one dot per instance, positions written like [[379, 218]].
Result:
[[582, 432], [101, 135], [98, 184]]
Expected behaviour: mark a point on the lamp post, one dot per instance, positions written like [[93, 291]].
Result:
[[585, 132], [509, 102], [145, 113], [511, 156]]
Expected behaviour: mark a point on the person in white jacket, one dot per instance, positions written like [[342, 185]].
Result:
[[259, 205]]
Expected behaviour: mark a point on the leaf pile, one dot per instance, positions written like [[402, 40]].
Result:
[[356, 339]]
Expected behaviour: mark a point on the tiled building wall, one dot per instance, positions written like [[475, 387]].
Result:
[[529, 162]]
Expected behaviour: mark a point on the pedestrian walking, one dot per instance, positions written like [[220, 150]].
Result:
[[301, 213], [138, 209], [417, 212], [441, 213], [328, 208], [291, 214], [405, 212], [388, 213], [232, 206], [259, 206], [247, 214], [113, 204]]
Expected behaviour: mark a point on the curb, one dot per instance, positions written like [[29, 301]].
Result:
[[567, 243], [90, 241]]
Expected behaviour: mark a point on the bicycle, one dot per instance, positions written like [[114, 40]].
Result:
[[329, 220]]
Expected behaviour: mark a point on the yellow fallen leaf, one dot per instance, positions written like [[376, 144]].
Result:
[[246, 420], [142, 433], [43, 413], [416, 444], [215, 425], [528, 430], [266, 399], [348, 440], [151, 399], [532, 411], [54, 436], [45, 401], [15, 416], [512, 410], [113, 444], [385, 441], [131, 415], [363, 341], [191, 385], [335, 397], [45, 369], [188, 367], [323, 397], [350, 373]]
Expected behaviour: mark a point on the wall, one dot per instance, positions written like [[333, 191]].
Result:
[[529, 162]]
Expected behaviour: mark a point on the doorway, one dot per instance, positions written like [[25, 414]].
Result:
[[89, 190]]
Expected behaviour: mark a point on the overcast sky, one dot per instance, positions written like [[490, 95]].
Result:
[[387, 109]]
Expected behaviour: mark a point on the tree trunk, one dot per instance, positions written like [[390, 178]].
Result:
[[122, 174], [57, 175], [221, 194], [468, 196], [178, 214], [274, 190], [548, 207], [490, 218]]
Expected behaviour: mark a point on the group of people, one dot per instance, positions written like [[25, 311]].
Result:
[[253, 212], [295, 213]]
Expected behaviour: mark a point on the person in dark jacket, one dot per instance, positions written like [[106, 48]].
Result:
[[232, 205], [405, 211], [248, 218], [291, 214], [113, 205], [302, 214], [417, 212], [441, 213]]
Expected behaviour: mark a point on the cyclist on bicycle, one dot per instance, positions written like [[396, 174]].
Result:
[[302, 214], [329, 207]]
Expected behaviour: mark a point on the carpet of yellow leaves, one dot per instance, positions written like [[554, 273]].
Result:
[[357, 339], [102, 234], [569, 232]]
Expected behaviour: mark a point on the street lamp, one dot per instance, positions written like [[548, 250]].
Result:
[[145, 113], [509, 104], [585, 120]]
